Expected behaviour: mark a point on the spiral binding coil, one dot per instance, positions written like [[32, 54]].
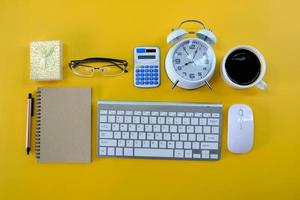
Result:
[[38, 125]]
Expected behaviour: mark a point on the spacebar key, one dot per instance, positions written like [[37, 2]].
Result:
[[164, 153]]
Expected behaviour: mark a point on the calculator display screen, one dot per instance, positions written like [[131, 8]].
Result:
[[147, 57]]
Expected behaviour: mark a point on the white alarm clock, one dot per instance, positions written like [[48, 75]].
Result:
[[191, 62]]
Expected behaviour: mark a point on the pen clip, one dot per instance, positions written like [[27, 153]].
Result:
[[31, 98]]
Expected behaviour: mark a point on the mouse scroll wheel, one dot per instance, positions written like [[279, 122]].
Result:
[[241, 112]]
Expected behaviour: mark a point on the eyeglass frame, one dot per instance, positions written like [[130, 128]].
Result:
[[116, 62]]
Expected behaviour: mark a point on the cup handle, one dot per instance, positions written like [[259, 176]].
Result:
[[262, 85]]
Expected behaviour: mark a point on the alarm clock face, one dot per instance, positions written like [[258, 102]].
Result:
[[192, 59]]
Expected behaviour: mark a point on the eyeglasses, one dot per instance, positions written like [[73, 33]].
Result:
[[106, 66]]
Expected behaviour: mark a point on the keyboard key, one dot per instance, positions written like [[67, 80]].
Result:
[[214, 156], [119, 151], [181, 129], [127, 119], [112, 112], [187, 145], [215, 115], [128, 151], [142, 136], [140, 128], [177, 120], [150, 136], [103, 118], [121, 143], [186, 121], [188, 154], [171, 145], [167, 153], [202, 121], [163, 114], [189, 114], [196, 145], [102, 151], [198, 129], [161, 120], [133, 135], [173, 129], [162, 144], [115, 127], [135, 119], [194, 121], [158, 136], [175, 136], [165, 128], [137, 143], [200, 137], [120, 112], [209, 145], [213, 122], [206, 115], [179, 145], [154, 144], [108, 143], [106, 134], [156, 128], [110, 151], [103, 112], [215, 129], [212, 138], [129, 143], [206, 129], [105, 127], [148, 128], [196, 156], [146, 143], [111, 119], [125, 135], [192, 137], [167, 136], [169, 120], [183, 137], [178, 153], [117, 135], [190, 129]]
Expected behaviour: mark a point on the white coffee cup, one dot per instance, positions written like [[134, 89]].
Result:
[[258, 82]]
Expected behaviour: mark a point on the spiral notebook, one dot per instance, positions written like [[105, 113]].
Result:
[[63, 129]]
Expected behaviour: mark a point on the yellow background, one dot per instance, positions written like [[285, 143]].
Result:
[[112, 29]]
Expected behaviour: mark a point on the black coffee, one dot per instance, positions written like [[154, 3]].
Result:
[[242, 67]]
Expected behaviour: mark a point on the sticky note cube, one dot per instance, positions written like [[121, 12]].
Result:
[[46, 60]]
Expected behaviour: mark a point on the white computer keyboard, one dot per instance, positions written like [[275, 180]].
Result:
[[159, 130]]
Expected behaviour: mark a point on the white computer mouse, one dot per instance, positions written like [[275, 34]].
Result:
[[240, 128]]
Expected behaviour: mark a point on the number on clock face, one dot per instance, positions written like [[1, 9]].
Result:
[[191, 60]]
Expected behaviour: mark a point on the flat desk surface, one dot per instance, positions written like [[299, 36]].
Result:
[[112, 29]]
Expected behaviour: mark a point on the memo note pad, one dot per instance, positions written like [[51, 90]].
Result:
[[63, 125], [46, 60]]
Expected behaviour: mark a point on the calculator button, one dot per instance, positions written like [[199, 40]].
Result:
[[146, 66], [142, 82], [151, 82], [155, 66], [147, 83], [137, 70], [146, 70], [142, 66], [142, 70], [151, 70], [151, 66], [155, 70], [155, 78], [155, 74], [155, 82]]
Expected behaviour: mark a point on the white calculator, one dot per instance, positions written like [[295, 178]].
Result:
[[146, 67]]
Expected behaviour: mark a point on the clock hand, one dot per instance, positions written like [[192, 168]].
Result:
[[195, 53], [186, 51]]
